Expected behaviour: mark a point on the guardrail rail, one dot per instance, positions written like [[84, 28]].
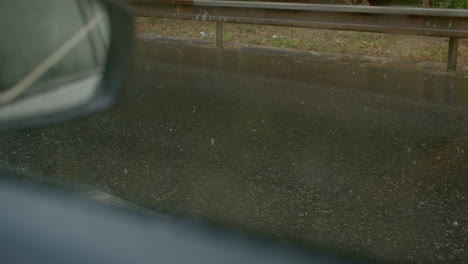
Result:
[[449, 23]]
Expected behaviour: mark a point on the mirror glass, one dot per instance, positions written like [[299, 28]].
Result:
[[52, 56]]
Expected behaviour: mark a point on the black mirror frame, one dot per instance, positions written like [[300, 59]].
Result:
[[115, 71]]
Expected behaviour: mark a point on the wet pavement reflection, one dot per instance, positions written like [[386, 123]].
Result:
[[368, 160]]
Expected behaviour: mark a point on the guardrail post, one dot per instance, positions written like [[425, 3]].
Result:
[[452, 54], [219, 34]]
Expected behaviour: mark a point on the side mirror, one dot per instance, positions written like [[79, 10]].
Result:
[[60, 59]]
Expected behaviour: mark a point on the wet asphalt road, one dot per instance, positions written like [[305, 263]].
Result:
[[369, 161]]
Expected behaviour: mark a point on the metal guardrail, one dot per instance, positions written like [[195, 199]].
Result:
[[450, 23]]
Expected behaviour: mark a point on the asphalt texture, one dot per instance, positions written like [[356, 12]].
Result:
[[369, 161]]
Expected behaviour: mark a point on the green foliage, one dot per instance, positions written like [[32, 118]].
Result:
[[247, 28], [229, 36], [451, 3], [146, 20], [255, 41], [418, 3], [283, 42]]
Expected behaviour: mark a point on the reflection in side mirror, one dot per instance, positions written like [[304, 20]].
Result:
[[55, 59]]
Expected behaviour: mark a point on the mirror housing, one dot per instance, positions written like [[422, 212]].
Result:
[[73, 68]]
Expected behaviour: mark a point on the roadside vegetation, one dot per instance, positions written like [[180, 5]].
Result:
[[416, 3], [332, 41]]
